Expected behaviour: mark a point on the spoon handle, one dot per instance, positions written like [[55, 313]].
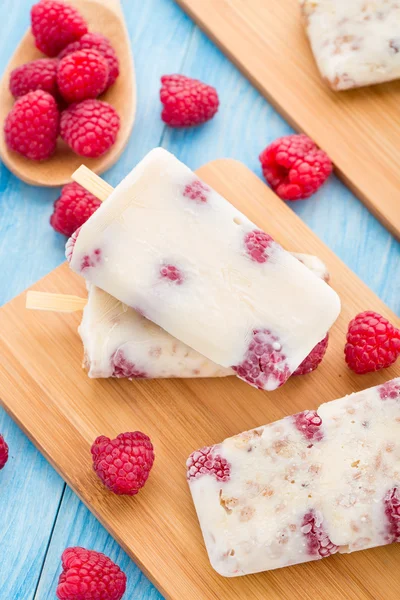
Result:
[[114, 5]]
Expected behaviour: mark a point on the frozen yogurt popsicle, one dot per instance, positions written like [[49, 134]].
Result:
[[172, 248], [302, 488], [356, 42]]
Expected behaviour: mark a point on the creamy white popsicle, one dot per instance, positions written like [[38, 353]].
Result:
[[356, 42], [302, 488], [169, 246]]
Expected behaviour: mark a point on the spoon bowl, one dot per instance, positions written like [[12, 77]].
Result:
[[103, 16]]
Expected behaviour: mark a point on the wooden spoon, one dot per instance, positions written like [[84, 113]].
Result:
[[103, 16]]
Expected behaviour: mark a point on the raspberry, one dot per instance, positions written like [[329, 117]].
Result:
[[187, 101], [73, 208], [96, 41], [56, 24], [172, 273], [390, 390], [123, 464], [313, 360], [197, 190], [392, 512], [264, 365], [31, 127], [69, 246], [81, 75], [91, 260], [308, 423], [295, 167], [207, 462], [372, 343], [40, 74], [90, 128], [318, 542], [257, 245], [3, 452], [124, 368], [89, 575]]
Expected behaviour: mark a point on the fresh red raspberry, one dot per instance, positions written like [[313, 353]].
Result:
[[40, 74], [73, 208], [172, 273], [3, 452], [392, 512], [55, 25], [309, 424], [314, 359], [89, 575], [125, 368], [123, 464], [207, 461], [81, 75], [31, 127], [96, 41], [318, 542], [264, 365], [187, 101], [90, 128], [295, 167], [372, 343], [257, 245]]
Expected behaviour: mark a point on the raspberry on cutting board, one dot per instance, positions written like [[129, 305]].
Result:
[[89, 575], [31, 127], [73, 208], [123, 464], [373, 343], [187, 101], [55, 25], [98, 42], [81, 75], [90, 127], [40, 74], [295, 167]]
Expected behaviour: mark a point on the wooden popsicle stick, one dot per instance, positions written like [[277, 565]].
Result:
[[54, 302], [92, 183]]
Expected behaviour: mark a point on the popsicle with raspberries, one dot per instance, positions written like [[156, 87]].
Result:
[[303, 488], [354, 43], [171, 247]]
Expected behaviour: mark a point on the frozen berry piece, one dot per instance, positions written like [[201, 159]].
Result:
[[318, 542], [91, 260], [295, 167], [390, 390], [97, 41], [31, 127], [207, 461], [392, 512], [70, 245], [90, 128], [55, 25], [172, 273], [3, 452], [309, 424], [125, 368], [81, 75], [123, 464], [89, 575], [314, 359], [197, 190], [257, 245], [264, 365], [187, 101], [372, 343], [73, 208], [40, 74]]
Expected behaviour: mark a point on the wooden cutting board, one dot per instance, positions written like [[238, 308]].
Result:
[[45, 390], [359, 129]]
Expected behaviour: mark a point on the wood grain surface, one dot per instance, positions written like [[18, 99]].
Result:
[[359, 129], [44, 388], [106, 17]]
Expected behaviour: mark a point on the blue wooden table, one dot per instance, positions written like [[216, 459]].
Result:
[[39, 515]]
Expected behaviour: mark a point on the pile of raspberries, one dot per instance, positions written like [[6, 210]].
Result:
[[57, 94]]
